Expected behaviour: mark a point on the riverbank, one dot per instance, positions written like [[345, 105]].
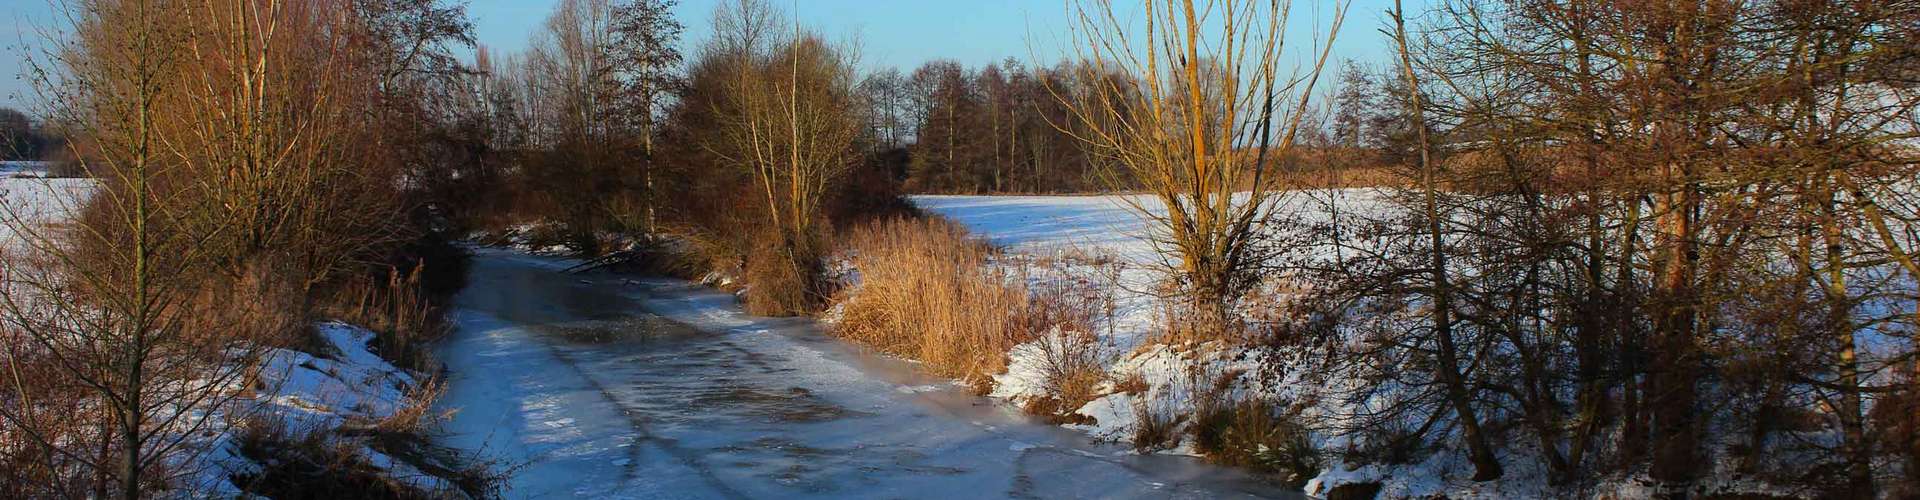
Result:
[[608, 385]]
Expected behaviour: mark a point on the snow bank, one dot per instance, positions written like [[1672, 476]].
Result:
[[346, 386], [1067, 237]]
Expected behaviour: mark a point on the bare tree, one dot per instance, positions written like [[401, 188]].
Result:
[[1209, 76], [645, 64], [1447, 353], [885, 92], [789, 122], [103, 302]]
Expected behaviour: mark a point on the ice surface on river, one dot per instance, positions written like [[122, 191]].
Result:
[[590, 396]]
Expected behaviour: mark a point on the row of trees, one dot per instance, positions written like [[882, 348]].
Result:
[[599, 130], [258, 162], [1001, 128], [24, 139], [1010, 128], [1627, 237]]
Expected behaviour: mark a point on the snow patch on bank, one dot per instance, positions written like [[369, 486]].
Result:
[[347, 386], [1106, 241]]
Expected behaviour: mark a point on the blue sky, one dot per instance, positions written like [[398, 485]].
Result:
[[898, 33], [20, 22]]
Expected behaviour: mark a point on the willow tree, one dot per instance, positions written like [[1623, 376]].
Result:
[[789, 121], [1196, 127], [269, 130]]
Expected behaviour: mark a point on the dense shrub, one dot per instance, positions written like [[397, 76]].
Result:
[[784, 279], [1074, 364], [1255, 434]]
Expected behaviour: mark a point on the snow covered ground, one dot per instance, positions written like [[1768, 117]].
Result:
[[1085, 228], [599, 386], [303, 392], [30, 198], [345, 383], [18, 169]]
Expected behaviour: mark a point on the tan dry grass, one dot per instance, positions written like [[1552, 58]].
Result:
[[398, 309], [927, 292], [1377, 176]]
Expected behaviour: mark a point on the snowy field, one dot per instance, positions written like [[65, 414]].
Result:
[[28, 197], [1038, 224], [1042, 228], [1107, 225]]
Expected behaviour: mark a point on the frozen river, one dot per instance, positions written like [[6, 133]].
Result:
[[604, 386]]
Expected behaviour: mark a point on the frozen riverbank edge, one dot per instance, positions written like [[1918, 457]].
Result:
[[1104, 241], [622, 414]]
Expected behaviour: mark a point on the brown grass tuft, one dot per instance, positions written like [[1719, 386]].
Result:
[[1251, 433], [307, 463], [1075, 365], [398, 309], [1154, 430], [418, 416], [927, 292], [784, 279]]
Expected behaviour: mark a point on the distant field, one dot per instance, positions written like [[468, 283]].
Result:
[[26, 196]]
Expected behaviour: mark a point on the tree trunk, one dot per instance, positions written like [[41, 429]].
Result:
[[1673, 392], [1859, 452], [1591, 329], [130, 421], [1633, 433], [1486, 467]]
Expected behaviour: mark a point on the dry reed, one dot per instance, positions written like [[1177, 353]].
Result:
[[927, 292]]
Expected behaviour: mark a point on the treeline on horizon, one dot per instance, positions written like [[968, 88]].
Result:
[[1009, 128], [24, 139]]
